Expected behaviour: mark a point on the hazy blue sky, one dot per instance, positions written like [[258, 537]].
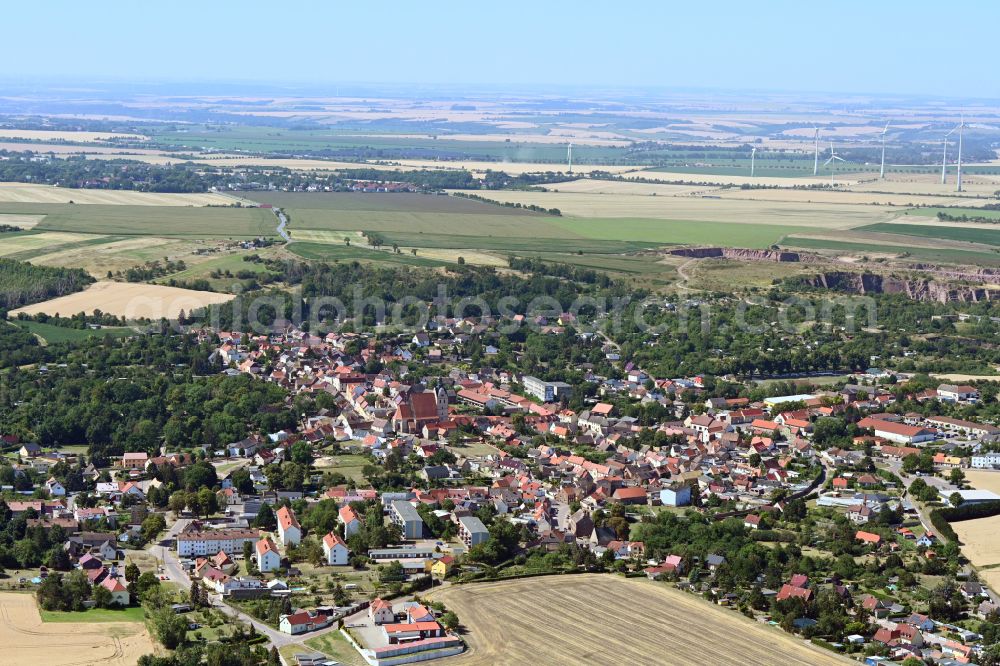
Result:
[[911, 46]]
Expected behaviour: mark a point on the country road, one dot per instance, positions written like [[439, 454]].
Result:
[[282, 223]]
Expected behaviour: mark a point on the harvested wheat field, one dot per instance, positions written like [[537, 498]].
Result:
[[23, 193], [714, 179], [595, 186], [67, 135], [984, 479], [785, 213], [981, 544], [25, 639], [22, 221], [129, 300], [42, 241], [605, 619]]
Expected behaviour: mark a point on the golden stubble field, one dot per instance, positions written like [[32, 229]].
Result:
[[24, 193], [25, 639], [604, 619], [981, 537], [67, 135], [693, 208], [129, 300]]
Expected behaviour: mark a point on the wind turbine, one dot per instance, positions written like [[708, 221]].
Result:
[[753, 153], [833, 156], [569, 156], [816, 156], [961, 126], [881, 173], [944, 158]]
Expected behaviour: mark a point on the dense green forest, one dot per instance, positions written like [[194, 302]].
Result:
[[22, 283], [138, 394]]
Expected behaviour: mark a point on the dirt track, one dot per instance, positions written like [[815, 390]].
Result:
[[25, 639]]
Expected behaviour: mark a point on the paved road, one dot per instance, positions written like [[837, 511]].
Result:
[[165, 551], [281, 226]]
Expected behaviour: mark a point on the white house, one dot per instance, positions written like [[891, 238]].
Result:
[[335, 550], [119, 595], [55, 488], [380, 611], [350, 521], [289, 530], [301, 622], [268, 557]]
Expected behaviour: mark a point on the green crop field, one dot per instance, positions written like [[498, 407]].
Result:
[[55, 334], [986, 235], [677, 232], [931, 254], [132, 614], [382, 140], [28, 255], [957, 212], [166, 221], [467, 224], [401, 202], [332, 252]]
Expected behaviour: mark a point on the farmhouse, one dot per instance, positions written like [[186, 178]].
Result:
[[301, 622], [405, 632]]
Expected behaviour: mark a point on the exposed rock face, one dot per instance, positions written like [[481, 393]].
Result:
[[740, 254], [919, 289]]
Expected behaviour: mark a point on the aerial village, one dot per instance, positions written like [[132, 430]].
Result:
[[429, 471]]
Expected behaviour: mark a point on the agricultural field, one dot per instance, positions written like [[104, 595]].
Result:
[[29, 245], [26, 193], [52, 334], [870, 249], [25, 222], [678, 231], [387, 202], [67, 135], [117, 253], [981, 545], [159, 221], [503, 626], [331, 252], [129, 300], [958, 212], [27, 639], [703, 209], [983, 479], [983, 234]]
